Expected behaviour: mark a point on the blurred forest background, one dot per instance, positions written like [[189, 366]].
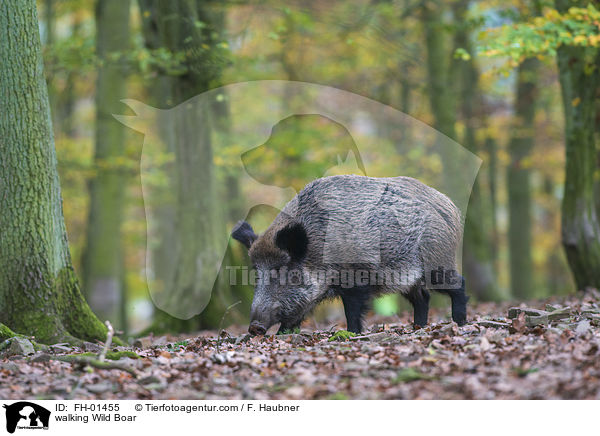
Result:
[[488, 74]]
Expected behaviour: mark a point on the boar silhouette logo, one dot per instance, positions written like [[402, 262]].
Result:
[[24, 414], [276, 136]]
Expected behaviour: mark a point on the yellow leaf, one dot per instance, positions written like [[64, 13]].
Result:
[[594, 40], [575, 101]]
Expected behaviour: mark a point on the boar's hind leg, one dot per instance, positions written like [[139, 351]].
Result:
[[419, 298], [356, 303], [459, 303]]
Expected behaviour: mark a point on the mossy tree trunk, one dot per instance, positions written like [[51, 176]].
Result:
[[579, 77], [103, 274], [39, 291], [518, 181]]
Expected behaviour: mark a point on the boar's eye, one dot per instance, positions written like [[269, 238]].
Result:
[[293, 239]]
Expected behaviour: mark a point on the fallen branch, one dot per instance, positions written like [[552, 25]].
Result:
[[96, 363]]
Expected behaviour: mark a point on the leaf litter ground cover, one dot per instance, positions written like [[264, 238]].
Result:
[[538, 350]]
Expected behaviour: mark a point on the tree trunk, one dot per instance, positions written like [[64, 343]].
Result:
[[578, 75], [172, 25], [103, 259], [66, 98], [39, 291], [518, 175], [446, 78], [491, 149], [441, 90], [478, 260]]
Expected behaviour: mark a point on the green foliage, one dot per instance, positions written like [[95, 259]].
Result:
[[543, 35]]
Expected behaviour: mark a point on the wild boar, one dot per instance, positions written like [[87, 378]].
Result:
[[355, 237]]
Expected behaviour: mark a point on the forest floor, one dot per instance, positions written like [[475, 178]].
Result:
[[549, 352]]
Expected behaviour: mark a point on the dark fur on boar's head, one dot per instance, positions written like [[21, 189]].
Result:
[[355, 237]]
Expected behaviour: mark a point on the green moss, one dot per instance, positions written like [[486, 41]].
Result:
[[69, 319], [6, 333], [406, 375], [342, 335], [116, 355], [112, 355], [78, 318]]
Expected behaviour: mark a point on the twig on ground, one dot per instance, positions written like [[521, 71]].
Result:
[[96, 363], [109, 336], [221, 323]]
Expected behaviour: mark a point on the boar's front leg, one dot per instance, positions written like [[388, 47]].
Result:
[[419, 298], [356, 303]]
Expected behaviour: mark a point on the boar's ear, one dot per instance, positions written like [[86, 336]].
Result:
[[293, 239], [243, 232]]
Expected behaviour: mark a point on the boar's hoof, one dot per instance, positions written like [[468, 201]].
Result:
[[256, 329]]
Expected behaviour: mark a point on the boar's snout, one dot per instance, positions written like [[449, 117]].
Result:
[[256, 328]]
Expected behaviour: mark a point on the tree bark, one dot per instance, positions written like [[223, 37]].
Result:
[[39, 291], [194, 220], [578, 74], [441, 90], [518, 181], [449, 80], [103, 259], [478, 260]]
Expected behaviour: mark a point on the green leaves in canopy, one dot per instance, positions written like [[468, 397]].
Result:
[[542, 35]]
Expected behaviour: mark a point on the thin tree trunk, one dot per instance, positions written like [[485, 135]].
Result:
[[103, 259], [491, 149], [478, 250], [441, 91], [578, 75], [39, 291], [66, 99], [172, 25], [518, 180], [443, 76], [48, 41]]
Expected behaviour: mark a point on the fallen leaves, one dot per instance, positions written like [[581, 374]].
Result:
[[501, 354]]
